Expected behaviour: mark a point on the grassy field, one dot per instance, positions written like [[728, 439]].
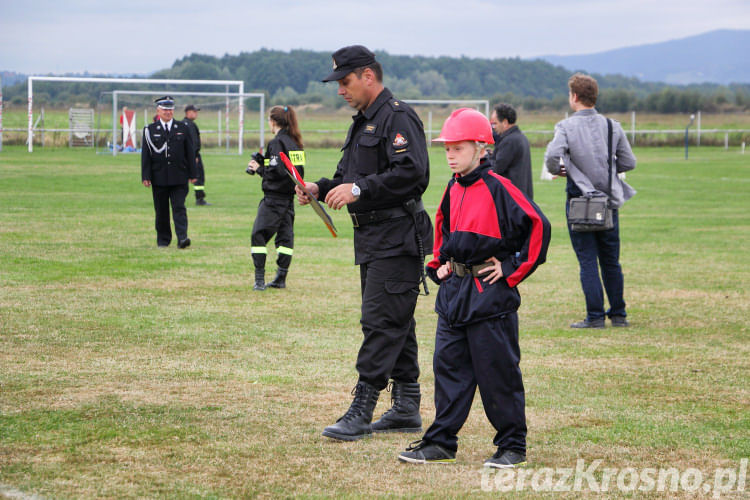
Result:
[[129, 372]]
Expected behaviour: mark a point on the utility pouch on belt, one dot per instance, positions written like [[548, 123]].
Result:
[[462, 270]]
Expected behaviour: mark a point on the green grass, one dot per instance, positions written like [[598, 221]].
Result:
[[127, 371]]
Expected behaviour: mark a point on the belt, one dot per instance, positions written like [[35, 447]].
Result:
[[363, 218], [462, 270]]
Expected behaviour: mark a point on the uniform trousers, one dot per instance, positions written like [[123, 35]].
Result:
[[200, 181], [163, 196], [390, 287], [484, 354], [602, 247], [275, 216]]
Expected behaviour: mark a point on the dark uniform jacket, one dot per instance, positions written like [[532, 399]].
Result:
[[482, 215], [167, 160], [276, 180], [511, 158], [195, 134], [385, 154]]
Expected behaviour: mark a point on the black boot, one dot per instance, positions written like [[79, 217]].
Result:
[[260, 280], [280, 280], [404, 413], [355, 424]]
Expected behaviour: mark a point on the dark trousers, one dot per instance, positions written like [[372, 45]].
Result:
[[163, 196], [390, 288], [200, 181], [600, 249], [275, 216], [484, 354]]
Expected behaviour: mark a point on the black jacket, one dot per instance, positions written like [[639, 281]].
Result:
[[385, 154], [512, 159], [195, 133], [276, 180], [167, 161]]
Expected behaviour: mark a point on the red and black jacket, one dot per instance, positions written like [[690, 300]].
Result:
[[481, 215]]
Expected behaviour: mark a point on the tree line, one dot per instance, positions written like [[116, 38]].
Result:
[[294, 78]]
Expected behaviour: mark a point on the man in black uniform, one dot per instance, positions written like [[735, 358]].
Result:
[[191, 113], [512, 155], [167, 164], [380, 179]]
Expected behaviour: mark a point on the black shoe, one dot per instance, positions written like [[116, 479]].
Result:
[[355, 424], [505, 459], [260, 280], [280, 280], [202, 202], [594, 323], [403, 416], [184, 243], [620, 321], [424, 452], [161, 245]]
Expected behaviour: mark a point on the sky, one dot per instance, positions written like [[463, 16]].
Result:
[[140, 37]]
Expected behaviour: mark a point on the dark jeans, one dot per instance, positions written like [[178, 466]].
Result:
[[602, 247], [390, 288], [484, 354], [163, 196]]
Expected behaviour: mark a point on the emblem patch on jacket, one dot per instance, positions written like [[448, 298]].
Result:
[[400, 141]]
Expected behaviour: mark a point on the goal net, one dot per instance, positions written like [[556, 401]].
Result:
[[220, 119]]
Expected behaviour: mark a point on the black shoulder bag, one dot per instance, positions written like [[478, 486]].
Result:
[[592, 213]]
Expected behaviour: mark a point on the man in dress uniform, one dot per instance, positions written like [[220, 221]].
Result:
[[191, 113], [167, 164], [380, 179]]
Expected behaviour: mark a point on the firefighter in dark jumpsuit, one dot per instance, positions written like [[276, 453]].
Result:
[[490, 237], [191, 113], [380, 179], [276, 209]]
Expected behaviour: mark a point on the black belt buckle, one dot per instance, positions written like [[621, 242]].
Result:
[[355, 222]]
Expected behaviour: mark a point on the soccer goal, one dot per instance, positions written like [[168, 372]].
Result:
[[221, 117], [165, 86]]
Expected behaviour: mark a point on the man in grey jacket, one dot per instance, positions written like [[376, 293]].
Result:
[[512, 155], [581, 142]]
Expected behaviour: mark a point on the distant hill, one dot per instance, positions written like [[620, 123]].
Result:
[[721, 56]]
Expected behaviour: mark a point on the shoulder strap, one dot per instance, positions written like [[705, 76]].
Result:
[[609, 152]]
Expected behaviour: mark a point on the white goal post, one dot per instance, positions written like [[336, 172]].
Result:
[[138, 81], [241, 96]]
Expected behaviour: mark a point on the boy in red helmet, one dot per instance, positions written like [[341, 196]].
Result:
[[489, 238]]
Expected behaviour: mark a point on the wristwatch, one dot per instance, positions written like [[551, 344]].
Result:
[[356, 191]]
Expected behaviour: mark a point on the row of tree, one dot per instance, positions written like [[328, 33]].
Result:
[[294, 78]]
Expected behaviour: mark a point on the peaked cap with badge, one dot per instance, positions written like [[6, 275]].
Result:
[[347, 59]]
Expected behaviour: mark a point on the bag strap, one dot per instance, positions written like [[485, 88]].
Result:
[[609, 153]]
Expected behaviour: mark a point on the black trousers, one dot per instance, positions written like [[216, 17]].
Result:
[[200, 182], [275, 216], [163, 197], [390, 288], [484, 354]]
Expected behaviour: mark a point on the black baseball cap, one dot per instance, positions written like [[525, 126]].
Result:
[[191, 107], [347, 59]]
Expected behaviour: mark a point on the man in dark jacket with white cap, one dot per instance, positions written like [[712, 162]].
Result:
[[167, 164]]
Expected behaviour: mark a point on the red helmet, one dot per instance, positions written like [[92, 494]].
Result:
[[466, 124]]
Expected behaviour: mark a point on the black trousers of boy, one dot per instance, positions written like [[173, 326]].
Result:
[[163, 196], [390, 287], [275, 216], [200, 181], [484, 354]]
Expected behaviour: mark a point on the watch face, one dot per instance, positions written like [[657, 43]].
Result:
[[355, 190]]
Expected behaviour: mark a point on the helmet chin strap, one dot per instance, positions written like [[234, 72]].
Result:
[[479, 147]]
